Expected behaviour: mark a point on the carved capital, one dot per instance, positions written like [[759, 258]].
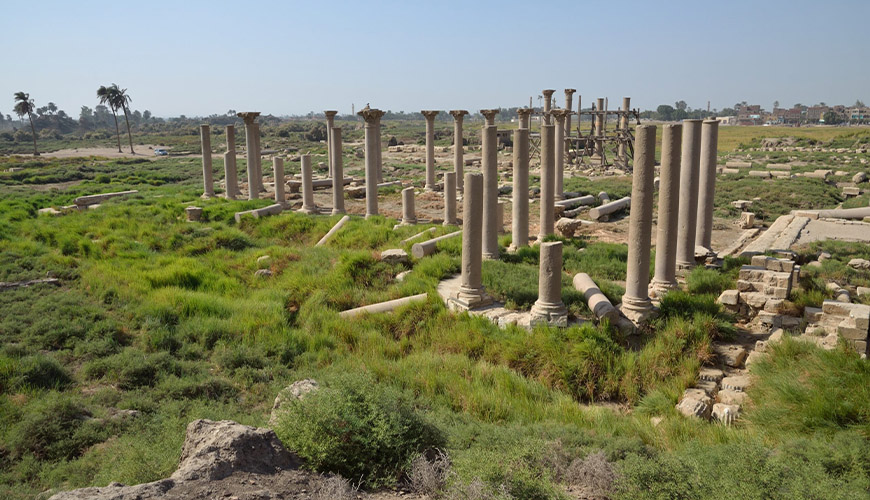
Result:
[[330, 113], [548, 93], [570, 92], [430, 114], [371, 115], [248, 116], [524, 111], [458, 114], [489, 113]]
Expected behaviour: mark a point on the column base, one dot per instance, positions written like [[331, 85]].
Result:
[[451, 223], [306, 210], [637, 310], [490, 256], [657, 289], [468, 299], [337, 212], [207, 196], [408, 222], [514, 248], [549, 314]]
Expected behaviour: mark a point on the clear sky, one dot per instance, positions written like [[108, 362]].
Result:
[[291, 57]]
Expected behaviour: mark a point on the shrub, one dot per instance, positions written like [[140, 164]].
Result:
[[703, 280], [55, 427], [41, 372], [359, 429]]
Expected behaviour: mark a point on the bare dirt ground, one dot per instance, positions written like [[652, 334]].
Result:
[[142, 151]]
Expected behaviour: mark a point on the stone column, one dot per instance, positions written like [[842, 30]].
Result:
[[548, 182], [458, 149], [372, 133], [520, 191], [623, 125], [707, 183], [525, 117], [231, 173], [250, 147], [308, 206], [560, 116], [471, 293], [258, 160], [337, 172], [207, 173], [569, 98], [598, 151], [330, 123], [489, 116], [378, 149], [278, 170], [636, 304], [549, 307], [548, 104], [430, 148], [450, 199], [490, 191], [409, 213], [689, 165], [665, 278]]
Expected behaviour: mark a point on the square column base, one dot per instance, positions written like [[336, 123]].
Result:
[[549, 314], [657, 289], [638, 310], [467, 300]]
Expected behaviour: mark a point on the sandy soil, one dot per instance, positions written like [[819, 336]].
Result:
[[142, 151]]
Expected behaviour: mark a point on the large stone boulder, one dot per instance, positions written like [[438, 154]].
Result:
[[293, 392]]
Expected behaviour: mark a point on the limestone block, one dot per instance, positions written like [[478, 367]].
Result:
[[708, 386], [862, 291], [695, 403], [567, 227], [731, 397], [741, 204], [813, 314], [732, 355], [859, 263], [859, 178], [772, 305], [737, 383], [713, 374], [770, 320], [748, 286], [753, 357], [726, 414], [755, 300], [851, 191], [729, 298], [395, 256], [747, 220], [764, 174]]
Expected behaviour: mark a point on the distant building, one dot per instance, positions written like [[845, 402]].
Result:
[[815, 114], [727, 120]]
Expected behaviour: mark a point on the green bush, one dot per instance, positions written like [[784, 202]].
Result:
[[40, 372], [359, 429]]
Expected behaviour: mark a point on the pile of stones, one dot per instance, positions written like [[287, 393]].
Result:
[[836, 320], [762, 287]]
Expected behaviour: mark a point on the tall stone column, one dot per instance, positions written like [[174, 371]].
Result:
[[337, 172], [430, 148], [689, 166], [231, 173], [379, 148], [548, 105], [598, 151], [372, 133], [525, 117], [330, 123], [458, 149], [409, 212], [450, 199], [623, 125], [569, 98], [520, 192], [207, 173], [636, 304], [665, 278], [308, 206], [251, 152], [489, 116], [548, 181], [258, 160], [560, 117], [278, 171], [549, 308], [471, 293], [707, 183], [490, 191]]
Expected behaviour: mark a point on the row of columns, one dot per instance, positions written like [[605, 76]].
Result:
[[685, 210]]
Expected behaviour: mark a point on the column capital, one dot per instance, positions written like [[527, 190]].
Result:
[[371, 115], [489, 113], [560, 113], [248, 116], [458, 114], [330, 113], [430, 114], [524, 111], [548, 92], [570, 92], [205, 126]]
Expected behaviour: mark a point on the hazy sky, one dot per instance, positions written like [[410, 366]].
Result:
[[288, 57]]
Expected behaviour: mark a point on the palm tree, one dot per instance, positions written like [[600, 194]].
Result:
[[24, 106], [106, 97], [122, 100]]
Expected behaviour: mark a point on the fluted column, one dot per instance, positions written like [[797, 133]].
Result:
[[458, 149], [330, 123], [549, 308], [337, 172], [548, 181], [688, 215], [707, 183], [560, 117], [548, 104], [430, 148], [665, 278], [490, 191], [207, 173], [636, 304], [520, 192], [372, 133], [471, 293], [231, 173]]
